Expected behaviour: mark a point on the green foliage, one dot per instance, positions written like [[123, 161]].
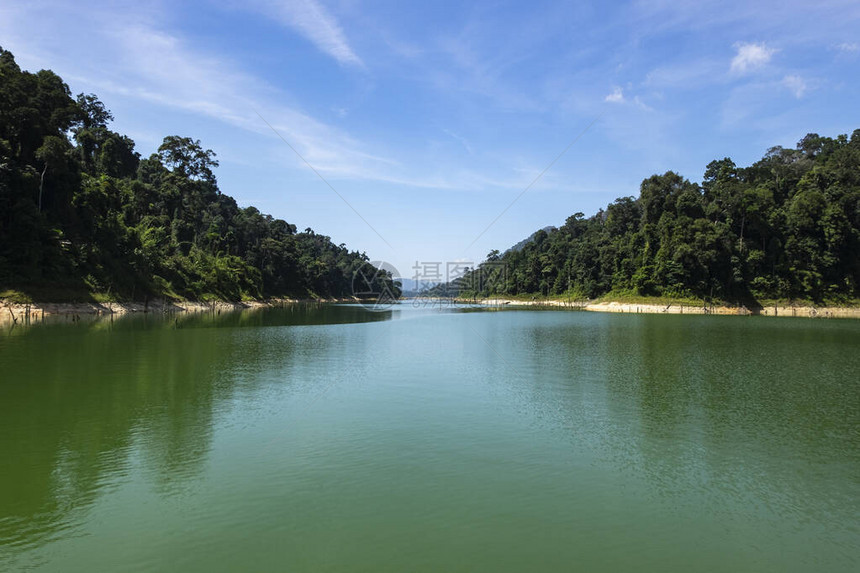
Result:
[[88, 215], [787, 227]]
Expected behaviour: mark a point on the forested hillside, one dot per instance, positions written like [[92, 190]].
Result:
[[81, 214], [786, 227]]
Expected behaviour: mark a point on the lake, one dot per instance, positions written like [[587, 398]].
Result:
[[330, 438]]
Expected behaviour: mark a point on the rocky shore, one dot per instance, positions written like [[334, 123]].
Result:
[[17, 313], [646, 308], [14, 313]]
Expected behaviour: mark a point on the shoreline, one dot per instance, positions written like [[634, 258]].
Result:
[[22, 313], [781, 310]]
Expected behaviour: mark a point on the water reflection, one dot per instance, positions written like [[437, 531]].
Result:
[[81, 402], [603, 440], [710, 412], [280, 315]]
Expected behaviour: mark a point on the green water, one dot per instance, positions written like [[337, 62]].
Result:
[[334, 439]]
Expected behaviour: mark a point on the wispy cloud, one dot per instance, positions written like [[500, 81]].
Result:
[[848, 47], [751, 57], [752, 105], [312, 20], [161, 68], [461, 139], [686, 75], [144, 61], [796, 84]]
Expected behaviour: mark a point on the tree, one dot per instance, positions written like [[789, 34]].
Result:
[[186, 157]]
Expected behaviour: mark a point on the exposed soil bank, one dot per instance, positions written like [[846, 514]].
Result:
[[640, 308], [11, 313]]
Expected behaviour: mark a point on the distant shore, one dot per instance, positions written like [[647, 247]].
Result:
[[782, 309]]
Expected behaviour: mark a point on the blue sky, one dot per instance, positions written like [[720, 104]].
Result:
[[430, 118]]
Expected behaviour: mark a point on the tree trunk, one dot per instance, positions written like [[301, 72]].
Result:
[[41, 184]]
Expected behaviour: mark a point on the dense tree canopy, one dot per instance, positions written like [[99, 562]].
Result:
[[787, 227], [81, 211]]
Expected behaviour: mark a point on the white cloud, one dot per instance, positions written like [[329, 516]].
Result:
[[311, 19], [144, 61], [848, 47], [617, 96], [751, 57], [796, 84]]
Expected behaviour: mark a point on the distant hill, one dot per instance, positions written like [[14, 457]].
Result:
[[412, 287], [522, 244]]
